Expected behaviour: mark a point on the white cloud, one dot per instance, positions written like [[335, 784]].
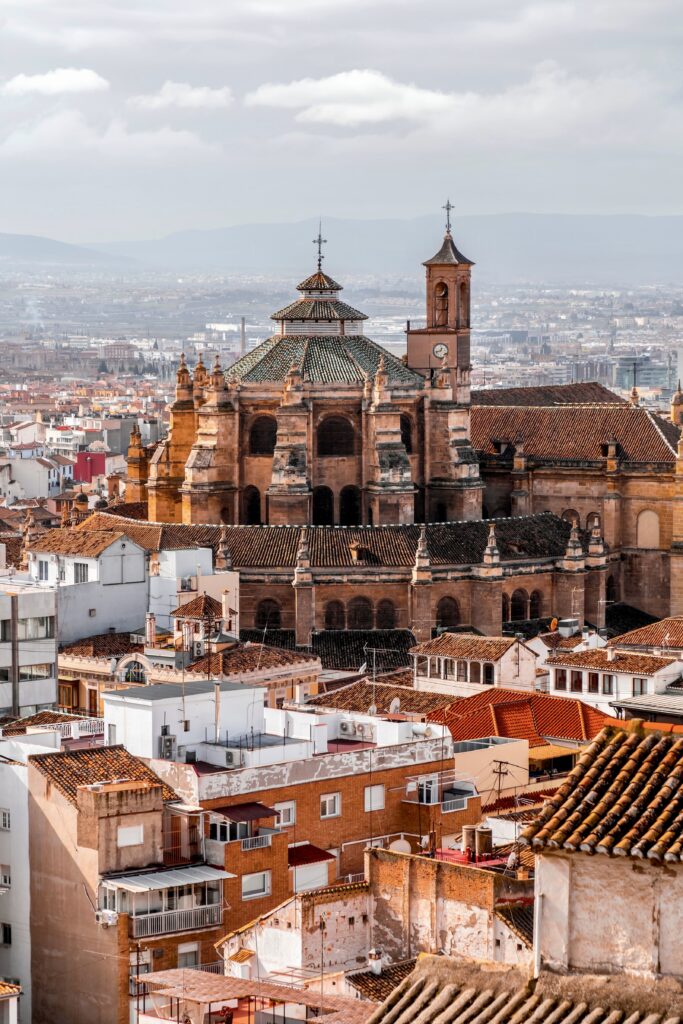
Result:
[[56, 83], [184, 97], [352, 98], [68, 133]]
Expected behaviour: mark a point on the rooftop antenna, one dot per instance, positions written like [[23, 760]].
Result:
[[320, 242], [448, 207]]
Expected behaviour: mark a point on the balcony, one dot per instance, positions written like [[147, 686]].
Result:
[[166, 922], [257, 842]]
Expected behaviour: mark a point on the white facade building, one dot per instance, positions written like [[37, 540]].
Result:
[[463, 664], [603, 677], [28, 646]]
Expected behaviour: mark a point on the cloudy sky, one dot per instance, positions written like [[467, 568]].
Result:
[[133, 118]]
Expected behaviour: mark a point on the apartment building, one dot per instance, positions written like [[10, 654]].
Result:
[[608, 677], [462, 664], [118, 883], [28, 646]]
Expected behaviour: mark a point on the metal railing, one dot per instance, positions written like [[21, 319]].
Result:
[[457, 804], [257, 842], [146, 925], [217, 967]]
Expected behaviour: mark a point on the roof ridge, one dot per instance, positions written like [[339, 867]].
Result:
[[659, 430]]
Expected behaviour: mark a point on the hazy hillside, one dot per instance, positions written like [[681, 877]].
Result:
[[34, 250], [507, 247]]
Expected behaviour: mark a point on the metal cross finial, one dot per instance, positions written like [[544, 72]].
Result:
[[320, 242], [448, 207]]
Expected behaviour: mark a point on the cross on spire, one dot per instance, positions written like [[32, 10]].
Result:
[[320, 242], [448, 207]]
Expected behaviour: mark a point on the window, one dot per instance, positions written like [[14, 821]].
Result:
[[560, 679], [251, 505], [330, 805], [447, 613], [5, 876], [5, 819], [129, 835], [323, 506], [593, 680], [360, 613], [5, 630], [639, 687], [462, 671], [286, 813], [80, 572], [428, 790], [36, 671], [6, 934], [268, 614], [262, 436], [42, 569], [336, 437], [386, 615], [608, 684], [488, 673], [349, 506], [519, 605], [188, 954], [4, 675], [335, 615], [577, 682], [407, 433], [255, 885], [374, 798], [40, 628]]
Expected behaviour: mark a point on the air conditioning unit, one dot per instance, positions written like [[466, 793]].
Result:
[[198, 649], [347, 728], [190, 757], [107, 918], [167, 747], [233, 758]]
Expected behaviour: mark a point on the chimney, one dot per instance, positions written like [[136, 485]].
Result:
[[375, 961], [611, 654], [150, 629]]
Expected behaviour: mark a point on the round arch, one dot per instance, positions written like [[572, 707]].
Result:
[[519, 606], [336, 437], [323, 506], [349, 506], [251, 506], [262, 436], [359, 613], [536, 605], [447, 613], [570, 515], [385, 616], [647, 529], [335, 615], [268, 614], [407, 433]]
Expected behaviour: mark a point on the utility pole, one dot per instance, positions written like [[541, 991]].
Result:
[[500, 771]]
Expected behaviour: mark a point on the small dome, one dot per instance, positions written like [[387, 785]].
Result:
[[81, 499]]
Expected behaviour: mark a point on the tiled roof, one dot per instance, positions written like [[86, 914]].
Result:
[[540, 536], [318, 309], [589, 392], [622, 798], [622, 618], [380, 986], [319, 281], [536, 717], [599, 658], [555, 641], [466, 645], [70, 769], [576, 432], [7, 989], [380, 649], [363, 694], [19, 727], [520, 920], [449, 991], [248, 658], [102, 645], [306, 853], [326, 359], [199, 607], [667, 633], [448, 254], [89, 544]]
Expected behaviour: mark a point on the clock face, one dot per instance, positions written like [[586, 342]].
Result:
[[440, 350]]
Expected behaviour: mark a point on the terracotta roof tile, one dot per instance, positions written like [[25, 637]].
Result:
[[599, 658], [380, 986], [363, 694], [466, 645], [249, 658], [318, 309], [68, 770], [199, 607], [7, 989], [667, 633], [19, 726], [102, 645], [623, 798], [588, 392], [89, 544], [520, 920]]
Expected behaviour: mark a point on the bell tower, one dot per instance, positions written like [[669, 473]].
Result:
[[447, 334]]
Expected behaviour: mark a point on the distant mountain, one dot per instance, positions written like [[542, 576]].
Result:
[[33, 250], [513, 247]]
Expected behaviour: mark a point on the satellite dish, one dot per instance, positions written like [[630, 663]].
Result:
[[400, 846], [372, 710], [395, 706]]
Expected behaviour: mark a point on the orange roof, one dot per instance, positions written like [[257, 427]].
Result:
[[666, 633], [70, 769], [640, 664], [466, 645], [76, 542], [200, 607]]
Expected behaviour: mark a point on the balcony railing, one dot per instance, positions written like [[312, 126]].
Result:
[[257, 842], [456, 804], [168, 921]]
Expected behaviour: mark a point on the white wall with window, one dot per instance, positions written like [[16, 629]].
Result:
[[256, 885], [611, 675], [28, 647], [374, 798]]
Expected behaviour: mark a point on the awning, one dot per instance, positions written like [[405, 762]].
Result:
[[552, 750], [245, 812], [242, 956], [165, 879], [307, 853]]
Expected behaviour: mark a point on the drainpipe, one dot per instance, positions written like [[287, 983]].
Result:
[[538, 904]]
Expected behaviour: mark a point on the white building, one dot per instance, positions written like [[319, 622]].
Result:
[[28, 646], [604, 677], [463, 664], [179, 575]]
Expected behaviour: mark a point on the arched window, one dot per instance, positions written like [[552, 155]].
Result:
[[407, 433], [570, 515], [463, 305], [360, 613], [519, 606], [535, 605], [251, 502], [268, 615], [647, 532], [475, 672], [335, 615], [506, 608], [447, 613], [386, 615], [441, 512], [335, 437], [226, 515], [611, 590], [441, 304], [488, 673], [592, 520], [262, 436], [135, 673], [349, 506], [323, 506]]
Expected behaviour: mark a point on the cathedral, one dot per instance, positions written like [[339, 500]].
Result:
[[320, 425], [355, 491]]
